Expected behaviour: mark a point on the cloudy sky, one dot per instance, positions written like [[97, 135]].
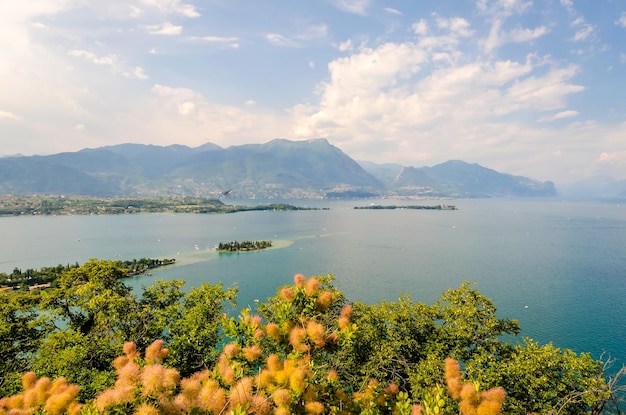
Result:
[[530, 87]]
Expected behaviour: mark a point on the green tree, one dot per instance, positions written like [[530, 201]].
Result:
[[91, 298], [22, 329], [544, 379], [194, 336], [93, 311], [158, 308], [96, 313]]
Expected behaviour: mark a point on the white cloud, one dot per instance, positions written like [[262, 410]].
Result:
[[214, 39], [280, 40], [93, 58], [112, 61], [186, 108], [622, 20], [566, 114], [352, 6], [610, 162], [456, 25], [560, 115], [318, 31], [137, 73], [230, 42], [582, 33], [503, 8], [519, 35], [345, 46], [393, 11], [134, 11], [79, 127], [546, 92], [497, 38], [9, 116], [164, 29], [420, 27], [172, 7]]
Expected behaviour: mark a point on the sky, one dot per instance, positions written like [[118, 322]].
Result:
[[528, 87]]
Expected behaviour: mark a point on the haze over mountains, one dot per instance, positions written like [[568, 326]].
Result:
[[277, 169]]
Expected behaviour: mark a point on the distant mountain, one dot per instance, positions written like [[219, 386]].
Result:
[[473, 179], [277, 169], [596, 187]]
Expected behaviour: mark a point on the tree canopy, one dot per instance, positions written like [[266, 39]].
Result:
[[307, 349]]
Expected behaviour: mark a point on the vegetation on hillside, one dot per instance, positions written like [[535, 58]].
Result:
[[307, 350]]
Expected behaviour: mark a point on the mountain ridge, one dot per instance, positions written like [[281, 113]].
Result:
[[279, 168]]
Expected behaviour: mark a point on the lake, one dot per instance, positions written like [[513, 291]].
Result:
[[558, 266]]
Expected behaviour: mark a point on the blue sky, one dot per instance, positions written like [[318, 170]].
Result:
[[535, 88]]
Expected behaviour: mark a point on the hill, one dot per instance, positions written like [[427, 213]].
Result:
[[457, 178], [277, 169]]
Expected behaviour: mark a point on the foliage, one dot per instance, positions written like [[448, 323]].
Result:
[[31, 277], [540, 379], [197, 332], [307, 351], [22, 329], [284, 366], [94, 314]]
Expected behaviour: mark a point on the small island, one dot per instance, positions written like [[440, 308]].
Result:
[[420, 207], [244, 246]]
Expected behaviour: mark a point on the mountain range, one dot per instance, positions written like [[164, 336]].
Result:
[[276, 169]]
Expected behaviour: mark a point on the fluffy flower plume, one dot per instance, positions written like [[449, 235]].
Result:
[[252, 353], [311, 287], [299, 280], [281, 397], [287, 294], [324, 300], [297, 337], [155, 353], [453, 378], [241, 393], [53, 398], [272, 330]]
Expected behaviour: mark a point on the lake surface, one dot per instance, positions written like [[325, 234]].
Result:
[[557, 266]]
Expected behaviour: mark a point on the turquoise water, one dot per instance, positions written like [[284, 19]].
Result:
[[557, 266]]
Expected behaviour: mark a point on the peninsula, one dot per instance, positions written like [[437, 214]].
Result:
[[14, 205]]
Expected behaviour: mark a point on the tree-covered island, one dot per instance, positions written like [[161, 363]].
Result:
[[417, 207], [236, 246]]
